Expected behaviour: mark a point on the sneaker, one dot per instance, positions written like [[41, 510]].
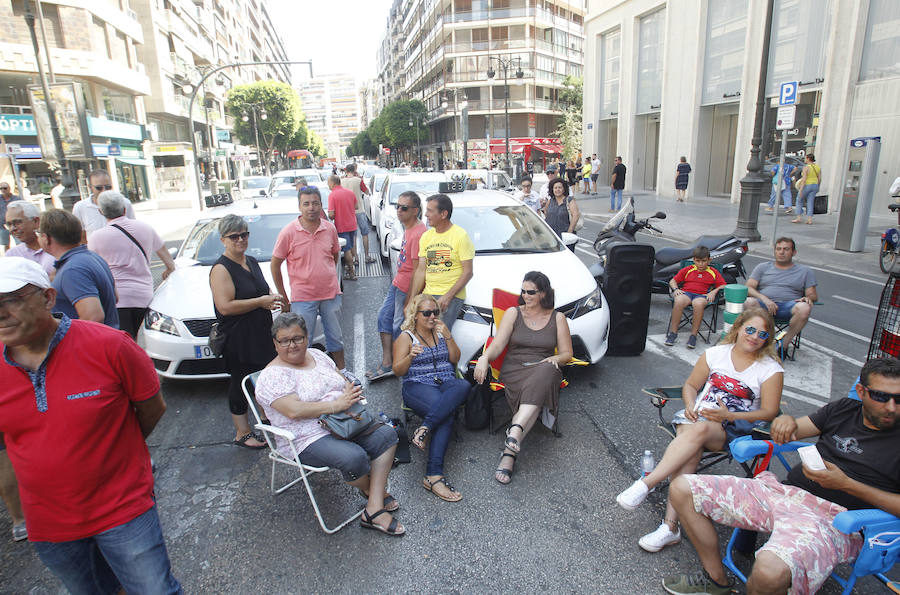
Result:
[[692, 342], [632, 497], [663, 536], [696, 584], [769, 209], [19, 532], [670, 338]]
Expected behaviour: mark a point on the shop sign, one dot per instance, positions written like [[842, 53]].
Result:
[[115, 150], [168, 149], [113, 129], [17, 125], [100, 149], [223, 135], [24, 151], [220, 152], [132, 152]]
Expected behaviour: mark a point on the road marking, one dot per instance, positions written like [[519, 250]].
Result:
[[838, 329], [804, 398], [585, 251], [829, 271], [857, 302], [359, 346], [832, 353]]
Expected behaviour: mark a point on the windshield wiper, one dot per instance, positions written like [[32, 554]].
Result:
[[514, 251]]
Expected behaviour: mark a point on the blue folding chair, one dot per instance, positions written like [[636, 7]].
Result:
[[881, 531]]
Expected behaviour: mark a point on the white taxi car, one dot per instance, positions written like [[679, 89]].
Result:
[[384, 212]]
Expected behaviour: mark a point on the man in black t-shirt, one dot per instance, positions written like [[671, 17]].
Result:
[[617, 184], [860, 444]]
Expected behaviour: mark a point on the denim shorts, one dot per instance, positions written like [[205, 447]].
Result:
[[362, 223], [350, 236], [694, 296], [329, 311], [350, 457], [390, 316], [784, 309]]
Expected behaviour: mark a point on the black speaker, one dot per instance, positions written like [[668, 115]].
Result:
[[626, 285]]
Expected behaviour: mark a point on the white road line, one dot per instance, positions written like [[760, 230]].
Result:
[[821, 348], [804, 398], [585, 251], [857, 302], [838, 329], [359, 346], [829, 271]]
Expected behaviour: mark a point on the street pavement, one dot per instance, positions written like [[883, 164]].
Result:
[[555, 527]]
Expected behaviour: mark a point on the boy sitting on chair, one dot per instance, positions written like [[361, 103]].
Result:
[[694, 285]]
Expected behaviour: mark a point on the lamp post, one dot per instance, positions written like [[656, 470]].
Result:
[[418, 118], [457, 106], [203, 80], [256, 111], [505, 64]]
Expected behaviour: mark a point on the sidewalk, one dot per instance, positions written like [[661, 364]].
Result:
[[705, 215], [170, 224]]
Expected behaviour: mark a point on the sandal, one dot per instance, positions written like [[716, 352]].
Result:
[[507, 473], [419, 437], [391, 504], [789, 210], [454, 495], [242, 441], [370, 258], [809, 221], [379, 373], [511, 443], [797, 220], [393, 529]]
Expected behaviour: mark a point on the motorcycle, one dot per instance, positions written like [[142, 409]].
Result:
[[725, 250], [890, 244]]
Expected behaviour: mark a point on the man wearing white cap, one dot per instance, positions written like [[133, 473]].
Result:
[[78, 401]]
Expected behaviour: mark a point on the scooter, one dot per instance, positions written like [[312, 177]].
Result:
[[725, 250]]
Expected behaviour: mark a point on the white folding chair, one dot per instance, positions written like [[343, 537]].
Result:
[[270, 432]]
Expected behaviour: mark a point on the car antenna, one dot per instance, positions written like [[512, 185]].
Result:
[[255, 206]]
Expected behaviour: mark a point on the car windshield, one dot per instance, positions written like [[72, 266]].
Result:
[[425, 188], [254, 183], [378, 182], [204, 243], [506, 229], [284, 192]]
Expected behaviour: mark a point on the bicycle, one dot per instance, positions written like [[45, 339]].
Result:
[[890, 244]]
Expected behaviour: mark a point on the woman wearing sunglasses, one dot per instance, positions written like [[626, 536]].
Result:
[[734, 387], [425, 356], [243, 305], [539, 343]]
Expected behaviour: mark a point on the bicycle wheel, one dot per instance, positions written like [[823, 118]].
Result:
[[888, 257]]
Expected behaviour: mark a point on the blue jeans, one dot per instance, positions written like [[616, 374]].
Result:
[[328, 310], [452, 311], [785, 196], [390, 317], [809, 194], [131, 556], [350, 457], [615, 198], [436, 405]]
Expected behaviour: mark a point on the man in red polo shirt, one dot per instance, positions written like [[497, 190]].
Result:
[[78, 400], [311, 248], [342, 210]]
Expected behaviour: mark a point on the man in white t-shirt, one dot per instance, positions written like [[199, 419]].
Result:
[[595, 171], [527, 195], [87, 210]]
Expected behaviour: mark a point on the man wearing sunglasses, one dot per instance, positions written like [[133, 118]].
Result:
[[859, 442], [22, 220], [87, 210], [6, 198]]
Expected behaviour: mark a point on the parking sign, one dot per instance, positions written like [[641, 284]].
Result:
[[788, 95]]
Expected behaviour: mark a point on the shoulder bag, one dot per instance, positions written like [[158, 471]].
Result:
[[132, 238], [579, 225], [217, 339], [351, 423]]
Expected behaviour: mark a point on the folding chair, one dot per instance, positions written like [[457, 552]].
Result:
[[710, 313], [248, 384], [880, 530], [781, 328]]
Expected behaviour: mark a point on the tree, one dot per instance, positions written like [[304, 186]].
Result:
[[570, 128], [283, 115], [397, 116]]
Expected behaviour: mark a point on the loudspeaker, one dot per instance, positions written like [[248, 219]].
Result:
[[626, 285]]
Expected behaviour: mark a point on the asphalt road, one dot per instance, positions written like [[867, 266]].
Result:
[[555, 527]]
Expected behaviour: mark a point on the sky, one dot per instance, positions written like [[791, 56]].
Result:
[[339, 36]]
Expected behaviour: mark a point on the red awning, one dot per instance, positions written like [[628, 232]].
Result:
[[298, 153], [549, 148]]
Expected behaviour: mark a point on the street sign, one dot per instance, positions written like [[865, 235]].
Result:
[[788, 94], [785, 118]]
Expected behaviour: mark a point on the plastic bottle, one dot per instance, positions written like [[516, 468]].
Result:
[[648, 463]]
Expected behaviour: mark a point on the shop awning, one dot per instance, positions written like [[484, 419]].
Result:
[[298, 153], [548, 148], [135, 161]]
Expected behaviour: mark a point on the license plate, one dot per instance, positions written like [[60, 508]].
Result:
[[203, 352]]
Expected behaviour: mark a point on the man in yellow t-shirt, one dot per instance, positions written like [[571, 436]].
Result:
[[445, 259]]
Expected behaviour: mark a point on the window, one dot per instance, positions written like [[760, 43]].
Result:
[[726, 28], [650, 61], [882, 45], [797, 47], [610, 46]]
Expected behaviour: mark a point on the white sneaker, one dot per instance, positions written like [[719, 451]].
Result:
[[632, 497], [663, 536]]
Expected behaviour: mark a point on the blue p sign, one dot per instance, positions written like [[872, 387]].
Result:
[[788, 95]]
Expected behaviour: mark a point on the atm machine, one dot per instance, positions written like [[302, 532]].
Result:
[[858, 192]]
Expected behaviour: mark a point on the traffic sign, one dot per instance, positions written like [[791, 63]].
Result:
[[788, 94], [785, 118]]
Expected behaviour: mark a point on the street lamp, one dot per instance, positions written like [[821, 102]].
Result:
[[257, 110], [464, 120], [506, 64], [418, 118]]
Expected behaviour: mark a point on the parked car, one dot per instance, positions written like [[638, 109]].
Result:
[[374, 183], [289, 176], [489, 179], [250, 187], [384, 212], [510, 240]]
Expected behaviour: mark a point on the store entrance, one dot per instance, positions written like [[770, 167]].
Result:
[[608, 137], [718, 125], [647, 137], [132, 181]]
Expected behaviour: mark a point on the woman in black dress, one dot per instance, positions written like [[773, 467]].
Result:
[[681, 178], [243, 307]]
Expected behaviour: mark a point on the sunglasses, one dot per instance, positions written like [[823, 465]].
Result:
[[238, 236], [881, 396], [4, 188], [529, 291], [429, 313], [751, 330], [403, 208], [103, 187]]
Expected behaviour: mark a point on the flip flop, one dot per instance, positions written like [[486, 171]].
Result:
[[429, 485], [366, 523], [242, 441], [379, 373]]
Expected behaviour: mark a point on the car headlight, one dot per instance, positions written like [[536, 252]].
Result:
[[475, 314], [161, 323], [588, 303]]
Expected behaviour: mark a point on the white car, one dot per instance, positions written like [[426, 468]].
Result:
[[251, 187], [289, 176], [510, 240], [493, 179], [175, 333], [384, 212]]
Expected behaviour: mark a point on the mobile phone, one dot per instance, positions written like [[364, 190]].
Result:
[[809, 456]]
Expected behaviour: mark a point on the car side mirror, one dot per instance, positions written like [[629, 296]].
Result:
[[173, 252], [569, 239]]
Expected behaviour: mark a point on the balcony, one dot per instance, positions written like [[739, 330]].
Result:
[[483, 15]]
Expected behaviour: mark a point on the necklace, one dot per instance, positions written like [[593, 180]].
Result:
[[533, 322], [433, 352]]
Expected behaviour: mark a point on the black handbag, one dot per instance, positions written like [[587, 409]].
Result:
[[216, 340], [349, 424], [477, 413]]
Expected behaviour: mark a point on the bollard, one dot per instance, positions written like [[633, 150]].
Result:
[[735, 296]]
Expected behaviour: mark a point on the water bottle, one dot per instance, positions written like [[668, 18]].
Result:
[[647, 463], [386, 420]]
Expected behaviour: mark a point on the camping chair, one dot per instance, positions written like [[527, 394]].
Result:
[[710, 321], [781, 328], [880, 530], [270, 432]]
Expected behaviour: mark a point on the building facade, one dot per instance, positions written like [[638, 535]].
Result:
[[442, 52], [333, 110], [680, 77]]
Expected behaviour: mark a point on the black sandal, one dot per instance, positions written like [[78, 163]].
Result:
[[429, 485], [419, 437], [391, 504], [242, 441], [505, 472], [511, 443], [366, 523]]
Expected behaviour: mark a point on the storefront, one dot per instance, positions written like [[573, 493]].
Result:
[[117, 148], [22, 154], [173, 166]]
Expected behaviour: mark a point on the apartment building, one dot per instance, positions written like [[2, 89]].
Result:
[[332, 107], [443, 52], [95, 49], [185, 39], [680, 77], [368, 100]]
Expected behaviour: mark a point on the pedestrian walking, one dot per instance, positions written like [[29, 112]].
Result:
[[808, 186], [571, 172], [577, 181], [682, 171], [353, 182], [777, 177], [596, 163], [617, 184], [342, 212]]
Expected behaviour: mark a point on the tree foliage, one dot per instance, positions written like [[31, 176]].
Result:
[[570, 129], [391, 129], [362, 145], [283, 114]]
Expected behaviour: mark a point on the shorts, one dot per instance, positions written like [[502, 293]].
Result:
[[328, 310], [802, 535], [350, 236], [350, 457], [390, 316], [594, 177], [694, 296], [362, 223], [784, 309]]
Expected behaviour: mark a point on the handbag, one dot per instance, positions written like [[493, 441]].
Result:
[[349, 424], [477, 414], [579, 224], [217, 339]]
